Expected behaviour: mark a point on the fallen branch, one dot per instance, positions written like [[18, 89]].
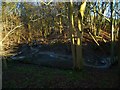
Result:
[[96, 42], [94, 39]]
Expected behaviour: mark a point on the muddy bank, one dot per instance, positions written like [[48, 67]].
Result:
[[59, 55]]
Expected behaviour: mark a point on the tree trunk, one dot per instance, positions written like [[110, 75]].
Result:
[[119, 46], [71, 27], [79, 59], [76, 42], [1, 37], [79, 45], [112, 32]]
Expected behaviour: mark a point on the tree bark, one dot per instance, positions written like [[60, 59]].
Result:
[[71, 27], [119, 46], [76, 42], [112, 32]]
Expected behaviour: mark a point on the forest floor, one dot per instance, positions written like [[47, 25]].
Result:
[[32, 73], [19, 75]]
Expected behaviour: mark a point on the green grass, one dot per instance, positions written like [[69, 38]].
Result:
[[19, 75]]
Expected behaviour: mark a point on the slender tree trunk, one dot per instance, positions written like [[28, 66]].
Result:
[[1, 45], [79, 35], [1, 36], [79, 44], [119, 46], [71, 27], [98, 17], [112, 32], [76, 42], [94, 24]]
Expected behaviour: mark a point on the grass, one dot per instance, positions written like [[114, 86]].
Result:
[[19, 75]]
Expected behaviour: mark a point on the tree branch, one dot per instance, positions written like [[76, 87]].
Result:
[[10, 33]]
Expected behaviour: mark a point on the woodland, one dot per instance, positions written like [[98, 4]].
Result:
[[62, 44]]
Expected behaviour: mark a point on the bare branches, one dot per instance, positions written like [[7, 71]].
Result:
[[10, 33], [35, 19], [46, 3]]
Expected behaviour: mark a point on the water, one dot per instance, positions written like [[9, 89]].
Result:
[[35, 56]]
